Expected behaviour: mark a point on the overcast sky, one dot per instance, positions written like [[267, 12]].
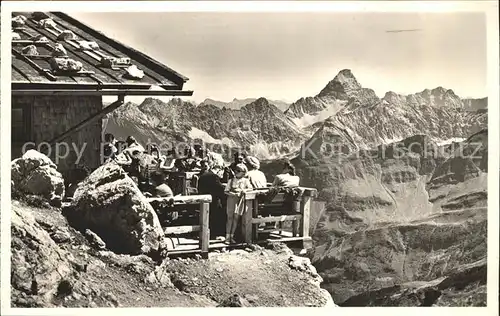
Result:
[[286, 56]]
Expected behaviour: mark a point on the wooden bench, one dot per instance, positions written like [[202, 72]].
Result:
[[183, 183], [297, 212], [171, 204]]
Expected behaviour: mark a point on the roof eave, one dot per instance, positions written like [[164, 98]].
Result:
[[129, 92]]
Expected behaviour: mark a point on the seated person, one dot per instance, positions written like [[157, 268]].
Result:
[[158, 186], [162, 162], [189, 163], [110, 150], [133, 144], [257, 178], [120, 146], [230, 170], [287, 178]]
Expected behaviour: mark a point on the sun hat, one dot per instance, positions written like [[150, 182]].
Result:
[[241, 168], [252, 161]]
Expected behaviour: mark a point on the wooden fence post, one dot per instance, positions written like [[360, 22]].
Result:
[[305, 210], [205, 229], [246, 221], [295, 224], [255, 214]]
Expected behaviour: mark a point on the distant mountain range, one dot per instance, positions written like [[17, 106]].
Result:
[[405, 217], [268, 130], [237, 104]]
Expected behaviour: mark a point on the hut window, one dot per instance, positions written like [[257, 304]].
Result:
[[21, 124]]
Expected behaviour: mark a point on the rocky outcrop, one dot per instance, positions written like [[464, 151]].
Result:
[[34, 173], [109, 203], [50, 271], [36, 275]]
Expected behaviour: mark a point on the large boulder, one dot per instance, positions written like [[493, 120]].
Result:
[[34, 173], [109, 203]]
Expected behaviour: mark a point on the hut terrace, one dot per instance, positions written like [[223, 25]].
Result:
[[61, 69]]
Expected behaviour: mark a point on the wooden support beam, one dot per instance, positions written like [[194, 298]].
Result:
[[246, 221], [273, 219], [178, 200], [177, 230], [110, 108], [311, 192], [255, 214], [305, 211], [287, 239], [183, 252], [296, 223], [117, 92], [205, 229]]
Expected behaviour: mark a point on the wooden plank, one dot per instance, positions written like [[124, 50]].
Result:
[[205, 229], [273, 219], [74, 92], [269, 230], [246, 222], [183, 252], [177, 230], [251, 195], [18, 76], [296, 223], [29, 72], [305, 210], [190, 199], [288, 239], [223, 245], [255, 214], [79, 126], [311, 192], [28, 42], [39, 69]]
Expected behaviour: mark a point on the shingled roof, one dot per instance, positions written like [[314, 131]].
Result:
[[104, 61]]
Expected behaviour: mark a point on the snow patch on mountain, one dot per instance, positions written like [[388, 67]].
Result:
[[196, 133], [309, 119]]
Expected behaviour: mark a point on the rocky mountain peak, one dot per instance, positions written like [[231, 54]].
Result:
[[343, 83], [260, 105], [394, 98]]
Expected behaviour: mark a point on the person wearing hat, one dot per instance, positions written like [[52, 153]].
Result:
[[257, 178], [236, 205], [229, 171], [133, 144]]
